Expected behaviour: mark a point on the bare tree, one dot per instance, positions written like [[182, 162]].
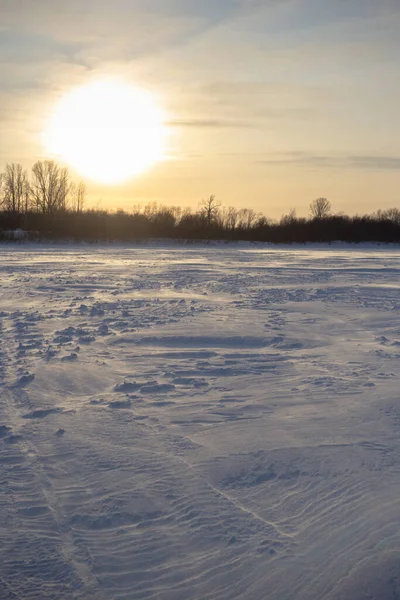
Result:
[[14, 188], [230, 218], [290, 218], [262, 221], [210, 209], [247, 218], [150, 209], [1, 190], [50, 186], [177, 212], [77, 196], [389, 214], [320, 208]]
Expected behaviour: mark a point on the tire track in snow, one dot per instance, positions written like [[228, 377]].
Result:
[[226, 496], [33, 499]]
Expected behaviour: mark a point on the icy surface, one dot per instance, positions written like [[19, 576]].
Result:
[[183, 423]]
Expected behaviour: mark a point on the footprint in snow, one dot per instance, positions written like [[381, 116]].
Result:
[[42, 413], [87, 339], [120, 404], [62, 340], [151, 387], [127, 386], [157, 388], [190, 381], [4, 431], [70, 357], [25, 380]]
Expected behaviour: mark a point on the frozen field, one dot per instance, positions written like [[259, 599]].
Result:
[[192, 423]]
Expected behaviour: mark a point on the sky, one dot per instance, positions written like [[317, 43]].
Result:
[[270, 103]]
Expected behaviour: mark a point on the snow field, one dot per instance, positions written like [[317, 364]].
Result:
[[203, 422]]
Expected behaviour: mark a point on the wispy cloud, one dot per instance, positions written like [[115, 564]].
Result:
[[29, 48], [211, 124], [311, 161]]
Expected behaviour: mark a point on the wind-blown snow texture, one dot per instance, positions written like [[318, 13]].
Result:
[[185, 423]]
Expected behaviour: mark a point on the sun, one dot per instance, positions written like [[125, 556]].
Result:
[[108, 130]]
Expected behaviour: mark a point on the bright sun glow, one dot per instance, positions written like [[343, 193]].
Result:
[[107, 130]]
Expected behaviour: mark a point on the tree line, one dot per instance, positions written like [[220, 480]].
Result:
[[48, 190], [48, 205]]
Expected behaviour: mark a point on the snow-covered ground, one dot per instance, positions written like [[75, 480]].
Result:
[[199, 422]]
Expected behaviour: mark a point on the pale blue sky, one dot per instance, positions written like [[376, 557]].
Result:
[[272, 102]]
